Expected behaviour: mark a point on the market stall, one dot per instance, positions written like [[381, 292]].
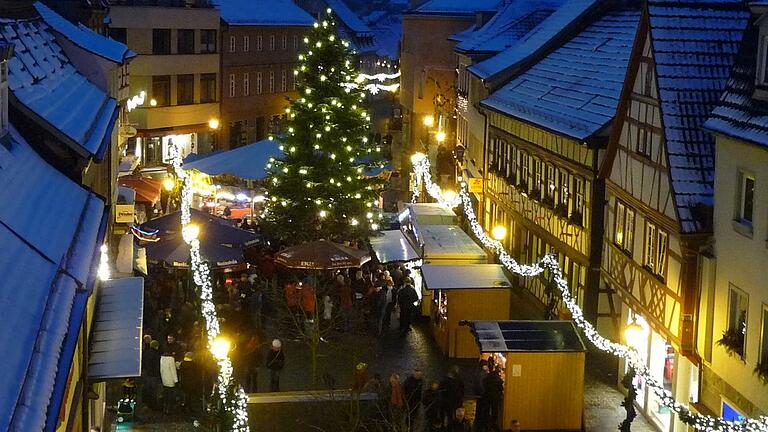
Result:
[[392, 246], [427, 214], [461, 292], [444, 244], [542, 365]]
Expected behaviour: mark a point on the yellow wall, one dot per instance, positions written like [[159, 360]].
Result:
[[548, 394]]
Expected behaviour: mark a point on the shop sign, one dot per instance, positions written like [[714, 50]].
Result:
[[124, 213], [475, 184]]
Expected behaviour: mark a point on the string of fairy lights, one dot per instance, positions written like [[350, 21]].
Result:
[[423, 179], [201, 277]]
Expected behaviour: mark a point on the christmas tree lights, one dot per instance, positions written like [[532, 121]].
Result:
[[421, 168], [317, 187]]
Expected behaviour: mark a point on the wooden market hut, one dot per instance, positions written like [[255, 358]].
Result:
[[461, 292], [542, 364]]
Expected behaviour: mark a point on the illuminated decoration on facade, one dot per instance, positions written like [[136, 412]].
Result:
[[549, 263]]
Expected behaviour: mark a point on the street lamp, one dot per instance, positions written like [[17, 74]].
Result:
[[220, 347], [449, 196], [213, 123], [440, 137], [634, 335], [169, 183], [428, 121], [190, 232], [499, 232]]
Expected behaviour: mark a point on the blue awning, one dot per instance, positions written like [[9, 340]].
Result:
[[47, 249], [248, 162], [116, 335]]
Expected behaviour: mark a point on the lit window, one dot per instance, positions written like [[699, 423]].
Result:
[[271, 82], [231, 85], [246, 84], [258, 82], [624, 232], [232, 44], [655, 258], [746, 198], [735, 336]]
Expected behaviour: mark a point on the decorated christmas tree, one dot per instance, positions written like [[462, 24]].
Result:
[[318, 188]]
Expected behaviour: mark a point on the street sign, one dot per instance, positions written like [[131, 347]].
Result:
[[475, 184]]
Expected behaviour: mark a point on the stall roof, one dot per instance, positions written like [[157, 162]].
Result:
[[116, 336], [448, 242], [527, 336], [392, 246], [464, 276], [431, 214], [248, 162]]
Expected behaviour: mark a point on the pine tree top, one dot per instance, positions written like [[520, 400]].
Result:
[[318, 188]]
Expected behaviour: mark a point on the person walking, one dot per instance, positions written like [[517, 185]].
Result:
[[396, 402], [150, 370], [413, 388], [453, 391], [191, 384], [432, 402], [494, 394], [406, 299], [275, 363], [251, 362], [168, 372]]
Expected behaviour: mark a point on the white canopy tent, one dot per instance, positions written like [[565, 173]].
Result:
[[392, 246], [464, 276]]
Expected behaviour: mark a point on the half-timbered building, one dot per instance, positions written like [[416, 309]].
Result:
[[547, 129], [660, 172]]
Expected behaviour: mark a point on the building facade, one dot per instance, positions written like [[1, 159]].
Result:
[[177, 67], [543, 155], [659, 173], [260, 51], [733, 327], [428, 68]]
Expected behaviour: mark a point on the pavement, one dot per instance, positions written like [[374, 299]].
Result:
[[390, 354]]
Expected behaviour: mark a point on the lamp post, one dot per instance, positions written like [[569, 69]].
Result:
[[428, 121], [633, 334], [168, 184], [499, 232]]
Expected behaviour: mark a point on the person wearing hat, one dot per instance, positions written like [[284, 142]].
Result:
[[275, 364], [191, 384]]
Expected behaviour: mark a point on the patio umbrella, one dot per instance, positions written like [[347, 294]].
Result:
[[174, 252], [321, 255], [213, 229]]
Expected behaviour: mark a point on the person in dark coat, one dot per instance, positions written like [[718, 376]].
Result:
[[251, 363], [150, 372], [452, 387], [412, 387], [191, 384], [493, 387], [432, 402], [406, 299], [459, 422], [275, 363]]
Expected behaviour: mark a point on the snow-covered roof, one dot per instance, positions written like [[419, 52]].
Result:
[[348, 17], [84, 37], [739, 114], [458, 7], [386, 36], [516, 19], [536, 40], [575, 90], [695, 44], [464, 276], [50, 230], [47, 85], [263, 13]]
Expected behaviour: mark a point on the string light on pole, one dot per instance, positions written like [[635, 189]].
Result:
[[201, 277], [704, 423]]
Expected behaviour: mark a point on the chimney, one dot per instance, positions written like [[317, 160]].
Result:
[[6, 51]]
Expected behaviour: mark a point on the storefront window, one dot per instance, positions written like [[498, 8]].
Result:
[[662, 366]]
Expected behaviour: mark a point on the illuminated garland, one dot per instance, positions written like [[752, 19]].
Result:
[[201, 277], [421, 170]]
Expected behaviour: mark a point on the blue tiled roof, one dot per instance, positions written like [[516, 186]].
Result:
[[254, 13], [739, 114], [694, 44], [47, 246], [84, 37], [460, 7], [47, 84], [574, 91], [510, 24], [534, 41]]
